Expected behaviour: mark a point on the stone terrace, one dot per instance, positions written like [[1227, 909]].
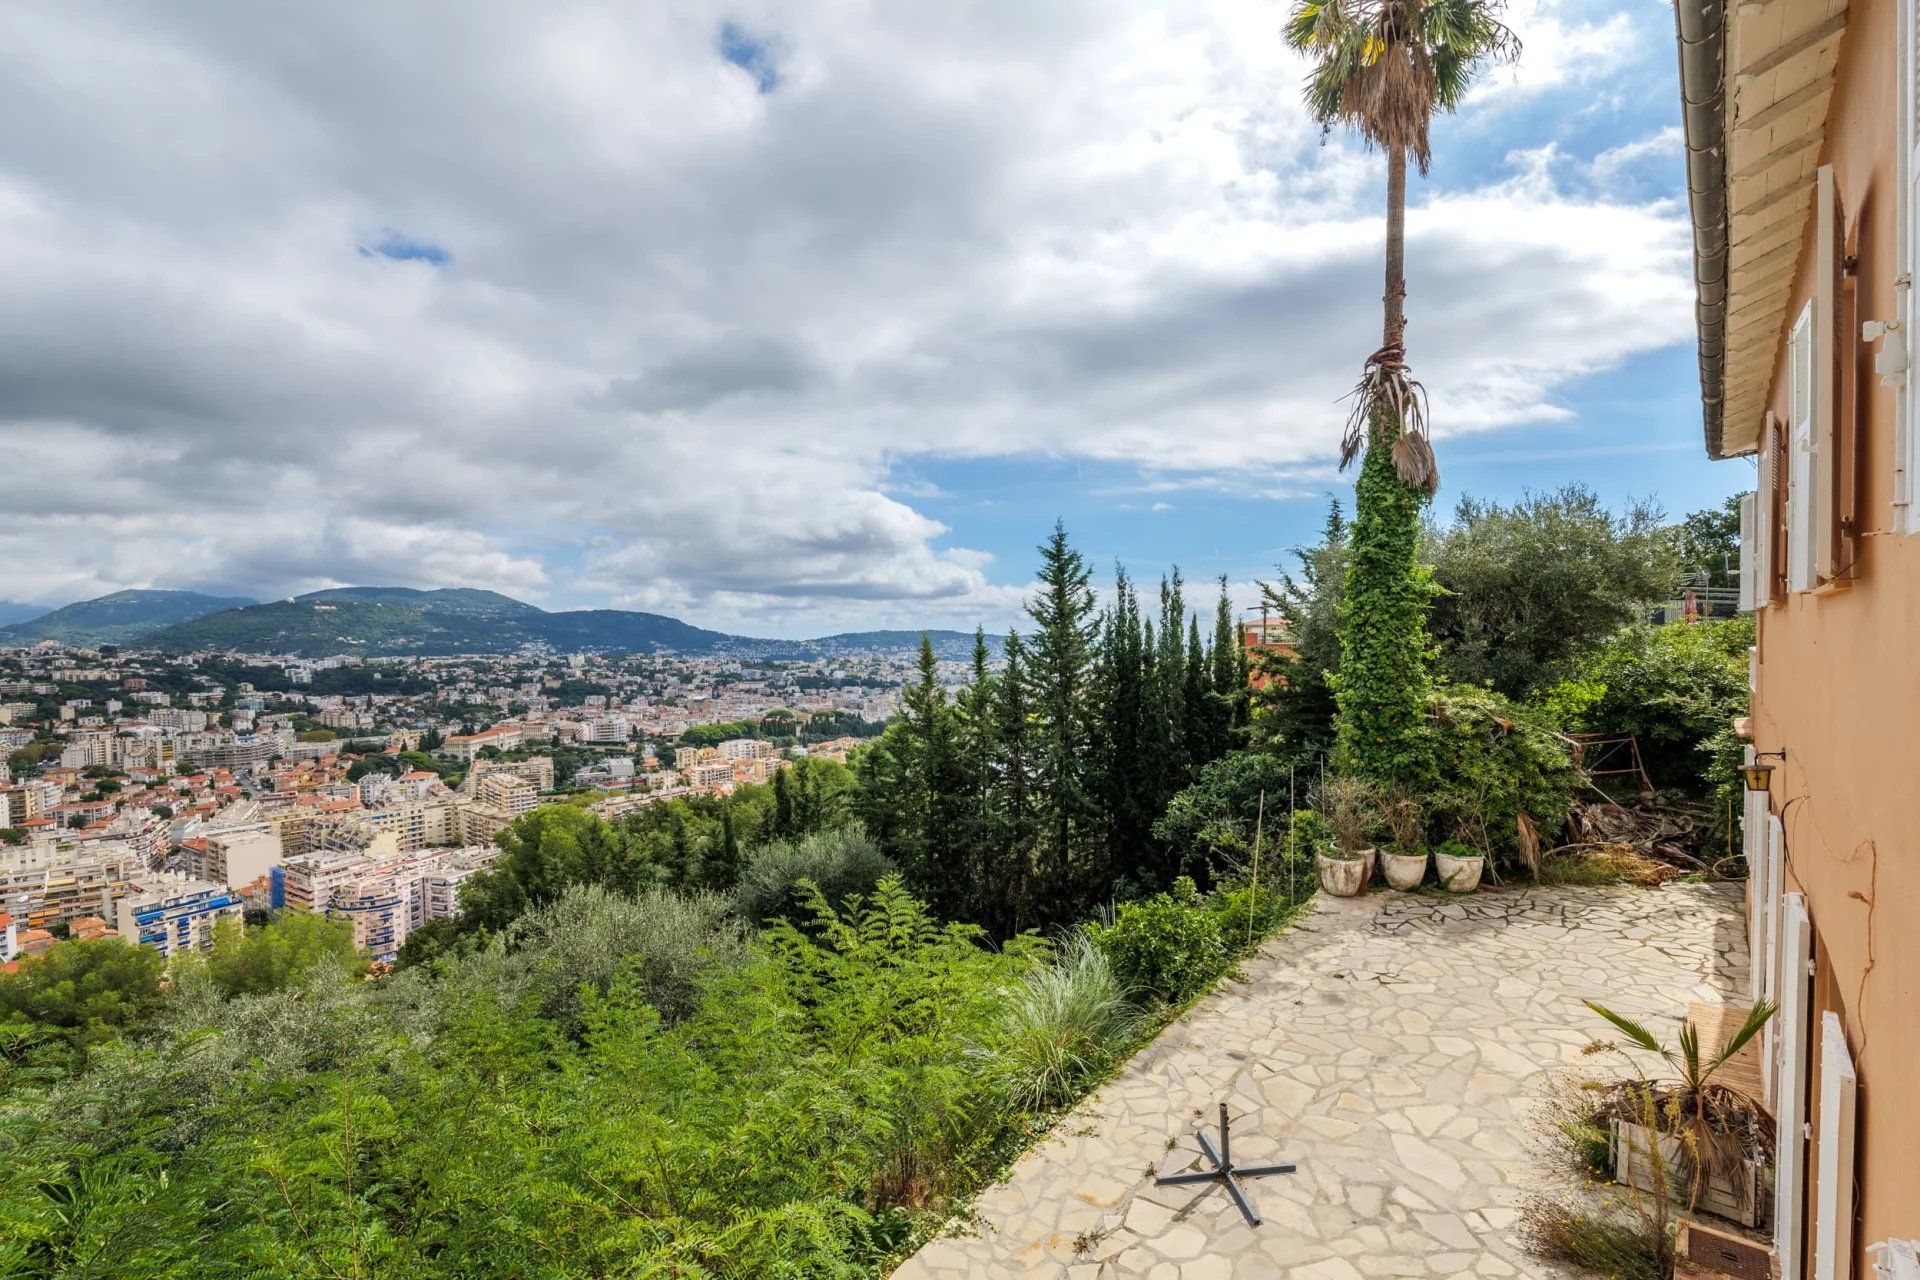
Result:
[[1394, 1046]]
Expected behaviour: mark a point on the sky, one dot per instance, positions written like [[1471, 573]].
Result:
[[790, 318]]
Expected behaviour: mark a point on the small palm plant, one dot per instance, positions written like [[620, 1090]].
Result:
[[1715, 1123]]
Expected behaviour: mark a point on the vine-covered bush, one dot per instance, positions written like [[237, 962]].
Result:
[[1495, 763], [1385, 654]]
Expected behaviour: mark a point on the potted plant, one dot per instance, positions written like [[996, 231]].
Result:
[[1404, 860], [1459, 865], [1689, 1137], [1351, 807]]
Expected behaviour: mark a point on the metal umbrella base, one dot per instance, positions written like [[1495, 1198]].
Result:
[[1225, 1171]]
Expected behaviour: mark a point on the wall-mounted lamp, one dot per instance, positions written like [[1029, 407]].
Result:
[[1759, 774]]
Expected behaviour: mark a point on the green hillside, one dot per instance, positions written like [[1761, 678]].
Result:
[[119, 618]]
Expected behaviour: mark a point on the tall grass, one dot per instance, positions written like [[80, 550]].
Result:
[[1068, 1024]]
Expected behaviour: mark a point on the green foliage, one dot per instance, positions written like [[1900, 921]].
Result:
[[836, 864], [1065, 1025], [1034, 792], [1529, 590], [1293, 711], [1212, 824], [297, 947], [665, 943], [1710, 542], [1674, 687], [1381, 687], [1495, 762], [1168, 945], [83, 993]]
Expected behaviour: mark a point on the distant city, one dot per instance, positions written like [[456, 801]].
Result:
[[154, 794]]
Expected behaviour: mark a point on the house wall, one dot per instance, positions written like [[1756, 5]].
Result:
[[1838, 686]]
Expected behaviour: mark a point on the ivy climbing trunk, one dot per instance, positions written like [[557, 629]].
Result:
[[1382, 684]]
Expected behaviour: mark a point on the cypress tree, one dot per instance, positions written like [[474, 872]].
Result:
[[1007, 879], [783, 824], [1061, 678]]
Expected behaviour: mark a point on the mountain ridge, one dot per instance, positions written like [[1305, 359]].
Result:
[[440, 622], [118, 617]]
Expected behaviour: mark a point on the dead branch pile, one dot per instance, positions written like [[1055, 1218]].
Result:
[[1663, 825]]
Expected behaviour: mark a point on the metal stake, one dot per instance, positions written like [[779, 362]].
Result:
[[1225, 1171]]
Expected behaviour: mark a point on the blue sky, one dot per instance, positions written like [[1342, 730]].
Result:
[[786, 317]]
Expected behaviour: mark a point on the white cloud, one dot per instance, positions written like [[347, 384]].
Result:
[[686, 330]]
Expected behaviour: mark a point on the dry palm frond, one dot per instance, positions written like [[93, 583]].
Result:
[[1388, 395], [1529, 832]]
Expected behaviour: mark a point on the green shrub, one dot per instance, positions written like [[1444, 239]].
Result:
[[1672, 687], [589, 936], [1495, 763], [840, 862], [1068, 1023], [1311, 835], [1248, 913], [1211, 825], [1168, 945]]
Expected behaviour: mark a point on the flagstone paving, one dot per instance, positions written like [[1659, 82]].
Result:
[[1393, 1045]]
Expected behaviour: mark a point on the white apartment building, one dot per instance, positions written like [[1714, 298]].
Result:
[[175, 914]]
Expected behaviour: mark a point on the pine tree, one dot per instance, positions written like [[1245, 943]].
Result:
[[1008, 877], [1061, 679]]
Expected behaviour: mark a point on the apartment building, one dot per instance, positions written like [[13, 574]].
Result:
[[176, 914], [1801, 135]]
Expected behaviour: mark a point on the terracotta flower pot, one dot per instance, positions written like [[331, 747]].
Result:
[[1459, 875], [1345, 877], [1404, 870]]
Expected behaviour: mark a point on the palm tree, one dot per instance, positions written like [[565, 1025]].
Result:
[[1384, 68], [1710, 1118]]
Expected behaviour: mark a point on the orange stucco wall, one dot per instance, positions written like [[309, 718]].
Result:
[[1839, 688]]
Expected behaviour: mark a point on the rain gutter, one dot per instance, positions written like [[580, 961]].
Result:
[[1701, 27]]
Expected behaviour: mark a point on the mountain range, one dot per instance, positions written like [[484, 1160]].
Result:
[[116, 618], [394, 621]]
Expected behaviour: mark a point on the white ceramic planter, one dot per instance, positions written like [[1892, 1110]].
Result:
[[1345, 877], [1404, 871], [1459, 875]]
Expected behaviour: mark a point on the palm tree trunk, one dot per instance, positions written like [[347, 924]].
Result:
[[1396, 297]]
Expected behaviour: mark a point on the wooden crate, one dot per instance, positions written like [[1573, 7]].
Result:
[[1741, 1200]]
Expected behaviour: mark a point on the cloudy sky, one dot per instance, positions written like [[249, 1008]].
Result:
[[787, 317]]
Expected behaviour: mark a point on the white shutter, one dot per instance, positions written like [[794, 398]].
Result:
[[1790, 1074], [1765, 519], [1824, 362], [1800, 449], [1753, 844], [1833, 1183], [1906, 396], [1747, 502], [1774, 872]]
